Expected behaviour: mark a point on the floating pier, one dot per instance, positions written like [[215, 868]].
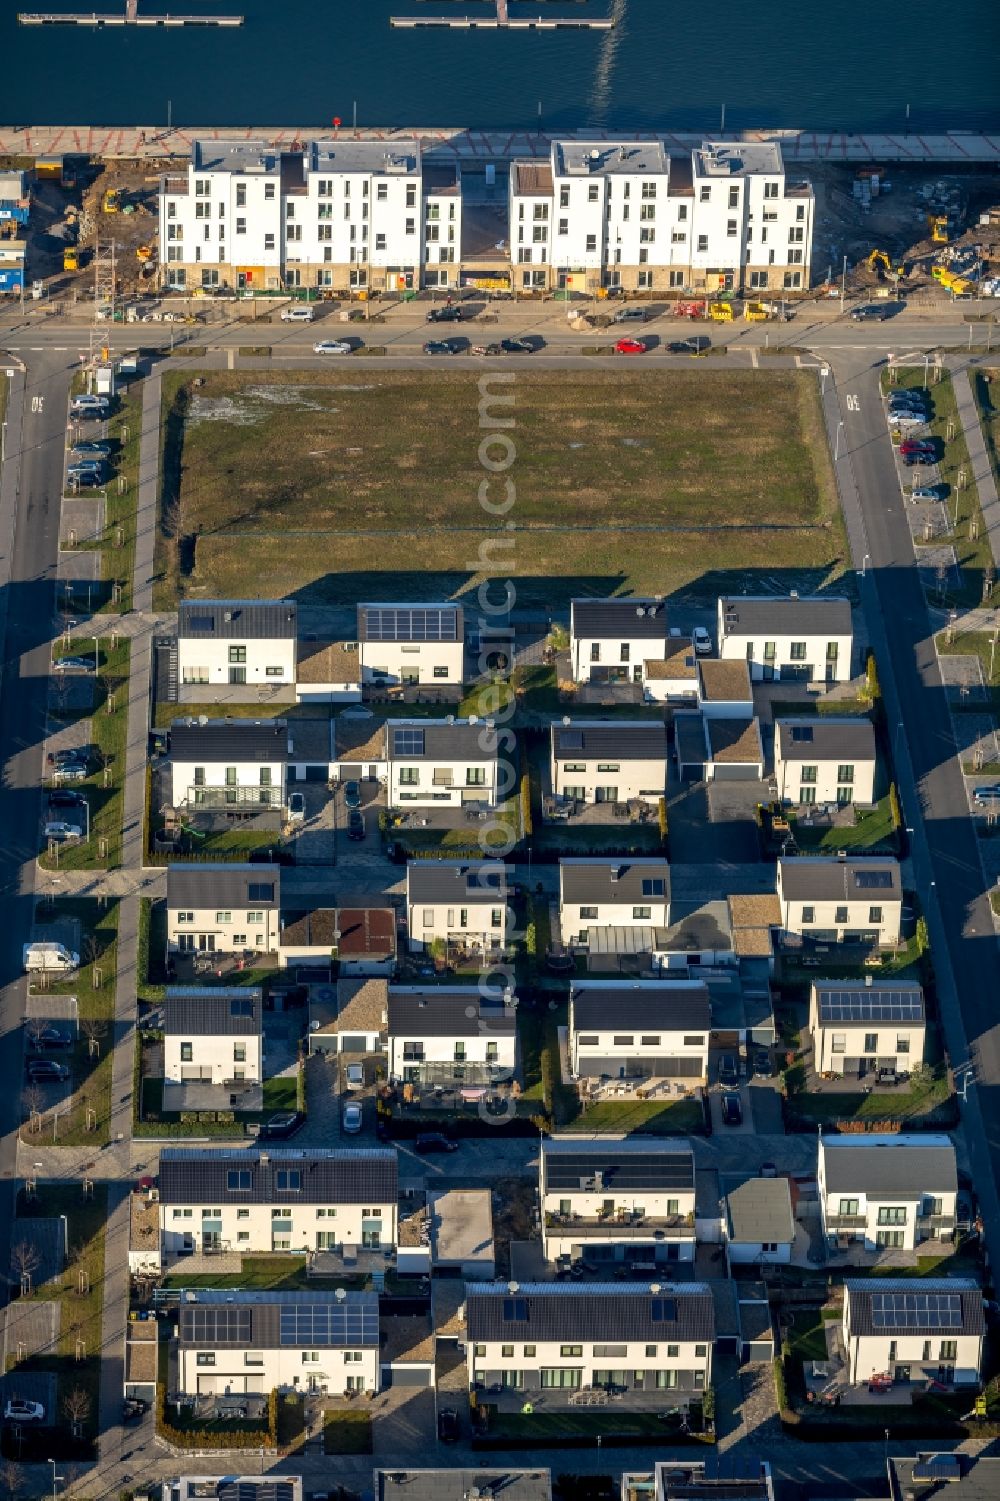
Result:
[[130, 17], [503, 21]]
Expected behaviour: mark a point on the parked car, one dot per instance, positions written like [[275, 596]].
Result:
[[298, 314], [98, 447], [701, 640], [73, 757], [696, 345], [296, 807], [48, 1040], [448, 1429], [352, 794], [19, 1411], [929, 492], [60, 831], [442, 346], [907, 419], [332, 346], [630, 315], [631, 346], [728, 1071], [351, 1119], [989, 792], [516, 346], [445, 315], [434, 1141], [282, 1125], [65, 798], [70, 771], [355, 1075], [732, 1110], [918, 445], [762, 1064], [90, 406], [907, 398], [85, 479], [355, 824], [46, 1070], [72, 664], [869, 312], [134, 1409]]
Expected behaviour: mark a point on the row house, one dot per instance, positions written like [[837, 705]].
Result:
[[237, 764], [215, 908], [234, 641], [836, 899], [859, 1027], [617, 1199], [785, 639], [213, 1035], [611, 639], [447, 761], [281, 1199], [458, 904], [887, 1192]]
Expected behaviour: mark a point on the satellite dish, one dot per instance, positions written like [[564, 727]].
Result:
[[595, 155], [340, 1293], [203, 719], [639, 610], [655, 1287], [567, 721], [512, 1287]]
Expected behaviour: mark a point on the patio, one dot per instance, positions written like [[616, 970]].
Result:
[[199, 1094], [660, 1400]]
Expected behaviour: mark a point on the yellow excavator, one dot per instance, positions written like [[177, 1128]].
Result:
[[940, 228], [880, 260]]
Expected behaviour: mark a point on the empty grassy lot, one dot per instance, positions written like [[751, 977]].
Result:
[[651, 481]]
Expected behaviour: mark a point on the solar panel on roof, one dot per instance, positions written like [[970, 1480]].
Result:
[[384, 623], [870, 880], [325, 1324], [515, 1310], [408, 742], [879, 1005], [231, 1325], [571, 740], [916, 1310], [803, 732], [663, 1310], [201, 622], [938, 1467]]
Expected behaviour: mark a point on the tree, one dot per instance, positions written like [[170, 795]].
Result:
[[94, 1030], [76, 1406], [25, 1259], [33, 1102], [11, 1478]]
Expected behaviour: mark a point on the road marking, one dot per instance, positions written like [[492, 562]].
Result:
[[60, 349], [36, 348], [852, 402]]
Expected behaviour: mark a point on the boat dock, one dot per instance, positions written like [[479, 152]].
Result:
[[130, 17], [503, 21]]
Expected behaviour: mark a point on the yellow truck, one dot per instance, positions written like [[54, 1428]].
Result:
[[756, 312], [111, 202], [71, 258], [940, 228]]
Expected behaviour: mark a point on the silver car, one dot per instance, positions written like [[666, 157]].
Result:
[[297, 315], [332, 346]]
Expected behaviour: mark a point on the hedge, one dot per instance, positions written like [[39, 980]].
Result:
[[202, 1438]]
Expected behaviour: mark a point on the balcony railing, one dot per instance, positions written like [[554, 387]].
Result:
[[609, 1227], [846, 1221]]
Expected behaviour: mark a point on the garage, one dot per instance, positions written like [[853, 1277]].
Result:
[[690, 746], [314, 771], [736, 750], [403, 1373], [735, 774]]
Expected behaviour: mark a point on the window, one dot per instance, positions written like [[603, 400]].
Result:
[[795, 236], [540, 234], [588, 914], [237, 654], [797, 651], [475, 776], [205, 1357], [571, 1350], [622, 1041], [564, 197], [649, 1041], [269, 242], [496, 918], [480, 1350], [529, 1351], [289, 1179], [808, 773], [792, 280], [695, 1041], [223, 917], [676, 278], [892, 1214], [700, 1352], [610, 1352], [705, 196], [807, 794], [875, 915], [380, 242], [589, 1041], [871, 1042], [255, 917], [731, 229], [645, 278], [242, 1214], [182, 1214], [593, 192], [239, 1052], [608, 766], [642, 914], [758, 280], [382, 191], [845, 773], [310, 1357], [770, 190], [838, 1043], [238, 1179], [678, 237], [253, 1357], [703, 242], [186, 1053], [269, 190], [808, 914], [949, 1349], [507, 1352], [647, 236], [647, 212], [591, 242], [903, 1045], [409, 776], [185, 917], [840, 915]]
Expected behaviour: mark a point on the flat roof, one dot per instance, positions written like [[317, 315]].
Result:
[[531, 179], [461, 1226], [735, 741], [724, 680], [400, 157], [737, 159], [608, 158], [460, 1485]]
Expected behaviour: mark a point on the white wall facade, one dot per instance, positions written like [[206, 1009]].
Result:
[[486, 1047], [231, 1372], [213, 930], [816, 659], [612, 781], [576, 918], [201, 660], [217, 1060], [448, 783], [960, 1355], [214, 783], [605, 1219], [899, 1043], [808, 779], [631, 1043], [837, 922], [690, 1368], [266, 1228], [476, 924], [425, 662], [623, 657]]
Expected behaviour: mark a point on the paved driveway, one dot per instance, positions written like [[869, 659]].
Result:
[[713, 822]]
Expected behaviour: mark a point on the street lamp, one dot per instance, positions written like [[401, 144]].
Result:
[[864, 564], [55, 1477], [843, 284], [836, 446]]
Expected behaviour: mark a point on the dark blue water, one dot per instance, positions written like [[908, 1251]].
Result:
[[666, 66]]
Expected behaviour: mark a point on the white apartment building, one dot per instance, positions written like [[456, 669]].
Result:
[[617, 1199], [834, 899], [411, 644], [444, 761], [281, 1199], [608, 761], [212, 1035], [887, 1192], [826, 758], [551, 1341], [228, 763], [229, 1343], [640, 1029], [219, 908], [601, 900], [610, 640], [914, 1331], [236, 641], [625, 214], [458, 1036], [461, 903], [862, 1026], [793, 639]]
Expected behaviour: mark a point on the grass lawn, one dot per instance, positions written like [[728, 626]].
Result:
[[280, 1094], [260, 1273], [807, 1336], [86, 1219], [871, 830], [91, 1072], [538, 1427], [648, 1117], [625, 480], [975, 644], [151, 980], [921, 1100], [346, 1432], [104, 788]]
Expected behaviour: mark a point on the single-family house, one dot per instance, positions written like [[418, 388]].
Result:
[[673, 677], [223, 909], [235, 641], [758, 1220], [238, 764], [552, 1341], [806, 639], [612, 895], [212, 1035], [640, 1030], [913, 1332], [363, 939], [231, 1342], [862, 1026], [262, 1202], [825, 759], [451, 1035], [611, 639], [411, 644], [617, 1199], [608, 761], [444, 762], [887, 1192], [462, 904], [841, 899]]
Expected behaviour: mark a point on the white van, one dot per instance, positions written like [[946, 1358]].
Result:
[[300, 313], [90, 406], [52, 957]]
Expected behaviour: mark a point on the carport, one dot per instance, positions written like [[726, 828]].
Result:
[[690, 746]]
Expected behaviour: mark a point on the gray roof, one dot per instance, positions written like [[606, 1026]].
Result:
[[624, 740], [278, 1320], [854, 1001], [618, 619], [237, 620], [825, 737], [830, 879], [758, 1210], [785, 615], [599, 1311], [889, 1165], [458, 1485], [608, 158], [234, 1488], [199, 1011], [930, 1305], [447, 1011], [456, 881], [399, 157], [959, 1477], [256, 156], [327, 1175], [260, 740], [223, 886], [618, 880], [677, 1006], [441, 740], [416, 623], [623, 1163]]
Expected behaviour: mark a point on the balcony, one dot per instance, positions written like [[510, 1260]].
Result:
[[846, 1221], [634, 1226], [616, 1399], [937, 1225]]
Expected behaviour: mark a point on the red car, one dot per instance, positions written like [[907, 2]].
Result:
[[631, 346], [917, 445]]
